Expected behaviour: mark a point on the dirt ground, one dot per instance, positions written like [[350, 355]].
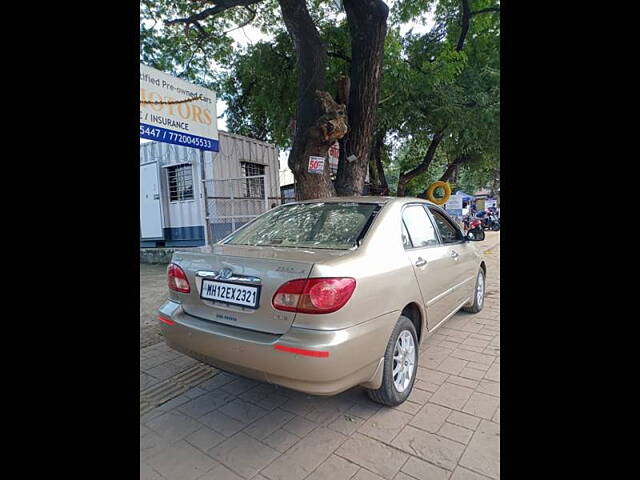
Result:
[[153, 293]]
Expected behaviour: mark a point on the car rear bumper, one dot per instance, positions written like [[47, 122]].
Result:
[[354, 355]]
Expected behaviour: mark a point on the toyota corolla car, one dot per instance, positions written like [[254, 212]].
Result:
[[322, 295]]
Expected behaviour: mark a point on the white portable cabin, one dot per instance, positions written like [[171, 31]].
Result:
[[241, 182]]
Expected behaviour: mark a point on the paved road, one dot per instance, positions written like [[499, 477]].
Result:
[[198, 423]]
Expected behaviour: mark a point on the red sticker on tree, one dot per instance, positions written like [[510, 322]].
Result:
[[316, 164]]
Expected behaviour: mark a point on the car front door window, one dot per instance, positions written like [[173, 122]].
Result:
[[448, 232], [419, 227]]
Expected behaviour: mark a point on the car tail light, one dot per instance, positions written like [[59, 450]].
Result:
[[177, 279], [314, 295]]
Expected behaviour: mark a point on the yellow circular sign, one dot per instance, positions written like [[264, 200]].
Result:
[[433, 187]]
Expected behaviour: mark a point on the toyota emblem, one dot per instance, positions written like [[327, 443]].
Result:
[[225, 273]]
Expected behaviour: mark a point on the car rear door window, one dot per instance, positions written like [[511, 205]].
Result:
[[448, 232], [419, 227]]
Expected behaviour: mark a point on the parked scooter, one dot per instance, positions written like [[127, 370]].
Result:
[[473, 226], [489, 220], [492, 222]]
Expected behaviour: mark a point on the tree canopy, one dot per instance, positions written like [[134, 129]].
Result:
[[438, 113]]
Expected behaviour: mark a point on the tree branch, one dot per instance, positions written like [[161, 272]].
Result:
[[344, 57], [379, 185], [387, 98], [406, 177], [428, 157], [245, 23], [486, 10], [466, 19], [204, 36], [221, 6], [464, 24], [453, 166]]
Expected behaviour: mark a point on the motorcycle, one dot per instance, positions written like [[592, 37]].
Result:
[[492, 222], [465, 222], [474, 227]]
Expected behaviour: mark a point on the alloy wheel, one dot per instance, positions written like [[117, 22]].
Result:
[[404, 360], [480, 289]]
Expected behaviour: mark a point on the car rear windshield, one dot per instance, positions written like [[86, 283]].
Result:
[[330, 225]]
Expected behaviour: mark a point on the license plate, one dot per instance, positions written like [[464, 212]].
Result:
[[230, 293]]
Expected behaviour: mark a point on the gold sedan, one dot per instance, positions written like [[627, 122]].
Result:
[[323, 295]]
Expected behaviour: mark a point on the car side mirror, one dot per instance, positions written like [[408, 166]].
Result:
[[475, 235]]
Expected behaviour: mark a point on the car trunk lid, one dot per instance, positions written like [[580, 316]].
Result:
[[231, 265]]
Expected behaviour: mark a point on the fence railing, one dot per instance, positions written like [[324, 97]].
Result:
[[232, 202]]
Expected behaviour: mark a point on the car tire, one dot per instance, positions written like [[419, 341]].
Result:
[[389, 394], [478, 300]]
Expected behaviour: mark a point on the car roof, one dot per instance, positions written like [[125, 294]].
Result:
[[367, 199]]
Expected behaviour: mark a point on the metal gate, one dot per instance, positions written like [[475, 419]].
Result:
[[232, 202]]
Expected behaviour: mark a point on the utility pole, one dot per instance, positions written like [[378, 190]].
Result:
[[205, 210]]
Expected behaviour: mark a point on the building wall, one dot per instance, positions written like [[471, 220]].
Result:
[[235, 149], [229, 207], [183, 220]]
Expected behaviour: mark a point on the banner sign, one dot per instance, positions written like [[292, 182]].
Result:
[[191, 124], [454, 205], [334, 155], [316, 164]]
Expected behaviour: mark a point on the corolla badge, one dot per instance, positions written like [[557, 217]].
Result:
[[225, 273], [289, 270]]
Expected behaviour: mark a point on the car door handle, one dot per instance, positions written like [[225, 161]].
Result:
[[454, 254], [421, 262]]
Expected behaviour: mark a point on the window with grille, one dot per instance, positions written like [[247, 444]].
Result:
[[180, 180], [254, 187]]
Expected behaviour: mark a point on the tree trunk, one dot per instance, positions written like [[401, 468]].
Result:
[[495, 183], [448, 173], [331, 126], [311, 61], [452, 168], [342, 96], [367, 20], [379, 185], [406, 177]]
